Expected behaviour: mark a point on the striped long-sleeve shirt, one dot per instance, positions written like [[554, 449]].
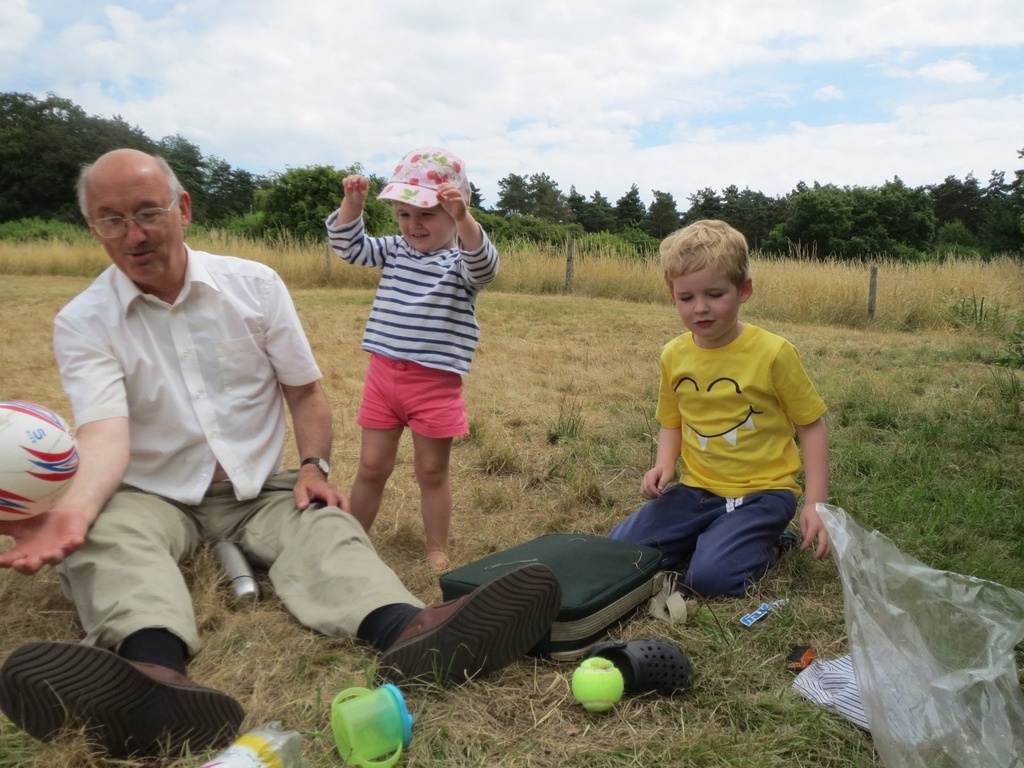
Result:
[[425, 306]]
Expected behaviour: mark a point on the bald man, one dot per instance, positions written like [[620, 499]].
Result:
[[180, 366]]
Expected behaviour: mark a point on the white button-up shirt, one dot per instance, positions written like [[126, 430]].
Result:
[[200, 379]]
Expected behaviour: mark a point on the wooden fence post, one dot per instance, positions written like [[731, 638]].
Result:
[[328, 260], [873, 292], [570, 263]]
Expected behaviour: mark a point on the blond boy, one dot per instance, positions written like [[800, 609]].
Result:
[[736, 405]]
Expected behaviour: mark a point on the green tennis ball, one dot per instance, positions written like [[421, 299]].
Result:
[[597, 684]]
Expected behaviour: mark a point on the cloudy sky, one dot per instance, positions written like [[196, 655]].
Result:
[[673, 95]]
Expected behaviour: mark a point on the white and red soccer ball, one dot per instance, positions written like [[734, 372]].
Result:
[[38, 458]]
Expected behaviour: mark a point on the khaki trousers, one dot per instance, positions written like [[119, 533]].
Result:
[[321, 562]]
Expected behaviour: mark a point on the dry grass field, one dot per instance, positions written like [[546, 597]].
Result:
[[909, 296], [561, 402]]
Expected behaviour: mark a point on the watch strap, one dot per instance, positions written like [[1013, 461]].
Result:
[[320, 464]]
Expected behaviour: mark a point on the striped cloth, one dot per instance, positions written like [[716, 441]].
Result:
[[425, 306], [832, 684]]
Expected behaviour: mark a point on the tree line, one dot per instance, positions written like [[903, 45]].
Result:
[[44, 143], [816, 221]]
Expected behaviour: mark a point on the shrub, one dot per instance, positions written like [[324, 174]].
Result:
[[604, 244], [1014, 356], [643, 244], [506, 229], [956, 236], [28, 230], [249, 225]]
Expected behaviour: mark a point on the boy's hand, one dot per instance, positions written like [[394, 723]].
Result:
[[356, 188], [655, 481], [452, 201], [812, 527]]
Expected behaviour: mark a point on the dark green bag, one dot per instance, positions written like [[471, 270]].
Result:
[[603, 583]]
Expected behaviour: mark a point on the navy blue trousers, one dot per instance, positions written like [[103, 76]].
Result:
[[730, 543]]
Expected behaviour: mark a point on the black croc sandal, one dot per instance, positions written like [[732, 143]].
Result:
[[647, 665]]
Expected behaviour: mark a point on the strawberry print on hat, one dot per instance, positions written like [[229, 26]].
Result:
[[419, 174]]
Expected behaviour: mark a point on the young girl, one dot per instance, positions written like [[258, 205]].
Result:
[[422, 331]]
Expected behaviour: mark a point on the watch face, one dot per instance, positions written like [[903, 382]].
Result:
[[321, 464]]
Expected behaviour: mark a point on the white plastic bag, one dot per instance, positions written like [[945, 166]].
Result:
[[933, 653]]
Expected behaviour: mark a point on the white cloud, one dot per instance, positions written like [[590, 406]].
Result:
[[19, 27], [830, 93], [952, 71], [673, 96], [921, 146]]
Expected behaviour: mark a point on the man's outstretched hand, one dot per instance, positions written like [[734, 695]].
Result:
[[45, 539]]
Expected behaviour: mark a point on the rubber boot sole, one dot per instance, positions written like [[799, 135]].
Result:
[[496, 625], [47, 688]]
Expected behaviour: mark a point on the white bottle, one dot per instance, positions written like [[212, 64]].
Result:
[[268, 746]]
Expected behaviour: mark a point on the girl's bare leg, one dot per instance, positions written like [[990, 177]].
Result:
[[431, 459], [377, 453]]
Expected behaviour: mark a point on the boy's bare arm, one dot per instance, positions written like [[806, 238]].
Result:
[[814, 450], [660, 475]]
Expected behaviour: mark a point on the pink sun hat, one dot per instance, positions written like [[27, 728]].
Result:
[[421, 172]]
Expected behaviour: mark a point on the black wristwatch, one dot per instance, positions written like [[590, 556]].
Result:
[[321, 464]]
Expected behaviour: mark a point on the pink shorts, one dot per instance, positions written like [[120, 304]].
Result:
[[399, 393]]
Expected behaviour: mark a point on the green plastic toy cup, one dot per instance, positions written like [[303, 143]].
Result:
[[371, 727]]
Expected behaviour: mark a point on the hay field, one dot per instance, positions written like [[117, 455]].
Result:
[[561, 404]]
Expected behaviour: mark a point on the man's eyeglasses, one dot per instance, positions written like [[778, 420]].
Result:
[[115, 226]]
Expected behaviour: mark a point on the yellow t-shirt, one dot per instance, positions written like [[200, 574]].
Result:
[[736, 406]]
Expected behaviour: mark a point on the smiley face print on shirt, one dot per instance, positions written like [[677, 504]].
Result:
[[719, 409]]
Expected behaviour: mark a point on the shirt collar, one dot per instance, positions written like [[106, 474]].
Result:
[[128, 292]]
